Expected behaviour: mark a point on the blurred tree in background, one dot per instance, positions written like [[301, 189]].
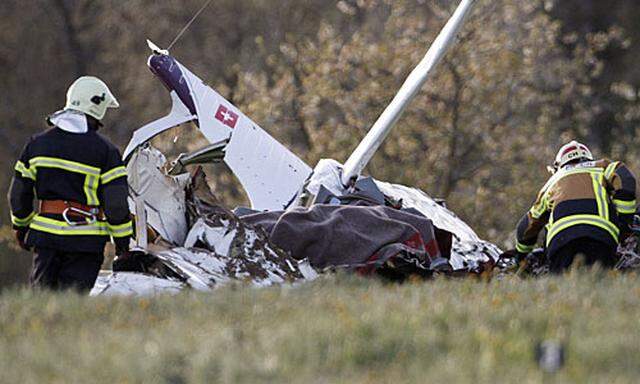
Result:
[[525, 77]]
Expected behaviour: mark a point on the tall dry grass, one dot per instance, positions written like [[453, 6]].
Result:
[[337, 329]]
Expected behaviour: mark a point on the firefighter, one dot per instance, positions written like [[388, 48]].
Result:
[[587, 207], [79, 181]]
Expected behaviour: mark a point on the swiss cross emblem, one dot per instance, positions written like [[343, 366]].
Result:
[[226, 117]]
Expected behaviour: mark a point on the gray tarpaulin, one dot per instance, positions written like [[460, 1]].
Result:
[[331, 235]]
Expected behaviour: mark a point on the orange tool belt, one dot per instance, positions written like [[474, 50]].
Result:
[[71, 209]]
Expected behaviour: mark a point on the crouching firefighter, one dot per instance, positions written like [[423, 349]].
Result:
[[80, 182], [586, 206]]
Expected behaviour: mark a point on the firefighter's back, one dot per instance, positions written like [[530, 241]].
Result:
[[580, 205], [68, 165]]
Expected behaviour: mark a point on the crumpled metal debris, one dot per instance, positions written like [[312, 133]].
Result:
[[134, 284], [216, 246], [163, 195], [202, 245], [628, 253]]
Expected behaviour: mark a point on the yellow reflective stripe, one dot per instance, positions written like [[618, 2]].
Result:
[[91, 189], [67, 165], [121, 230], [603, 195], [18, 222], [570, 221], [624, 206], [523, 248], [611, 168], [538, 209], [600, 194], [92, 174], [57, 227], [24, 171], [113, 174]]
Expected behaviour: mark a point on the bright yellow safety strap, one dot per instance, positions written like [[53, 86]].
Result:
[[113, 174], [540, 208], [57, 227], [18, 222], [610, 170], [523, 248], [622, 206], [625, 207], [92, 174], [600, 193], [24, 171], [121, 230], [99, 228], [572, 220]]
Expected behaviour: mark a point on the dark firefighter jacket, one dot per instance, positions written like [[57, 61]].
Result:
[[81, 167], [595, 199]]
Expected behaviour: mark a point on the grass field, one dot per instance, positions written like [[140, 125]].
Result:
[[336, 329]]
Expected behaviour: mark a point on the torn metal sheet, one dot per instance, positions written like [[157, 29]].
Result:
[[179, 114], [223, 248], [162, 196], [206, 245], [133, 284]]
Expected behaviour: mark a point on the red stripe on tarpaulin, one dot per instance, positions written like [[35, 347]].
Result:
[[370, 267], [415, 242], [431, 247]]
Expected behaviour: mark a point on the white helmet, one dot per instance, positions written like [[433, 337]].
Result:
[[572, 151], [90, 95]]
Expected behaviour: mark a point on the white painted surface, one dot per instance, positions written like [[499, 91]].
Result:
[[133, 284], [270, 174], [179, 114]]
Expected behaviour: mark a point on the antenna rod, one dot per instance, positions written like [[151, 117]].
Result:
[[368, 146]]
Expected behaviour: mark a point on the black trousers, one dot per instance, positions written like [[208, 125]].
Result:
[[593, 251], [58, 270]]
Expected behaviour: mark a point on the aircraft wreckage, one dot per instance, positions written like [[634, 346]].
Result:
[[303, 221]]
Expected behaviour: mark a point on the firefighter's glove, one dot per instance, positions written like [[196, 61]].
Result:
[[126, 261], [122, 245], [21, 236], [514, 254]]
